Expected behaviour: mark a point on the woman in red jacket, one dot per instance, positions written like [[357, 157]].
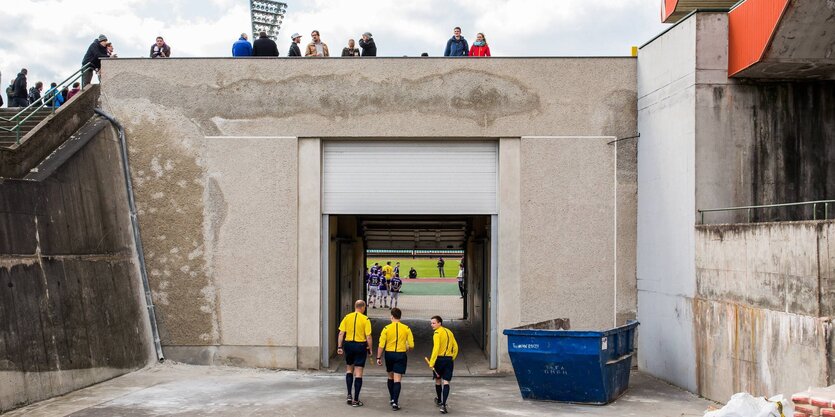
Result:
[[480, 47]]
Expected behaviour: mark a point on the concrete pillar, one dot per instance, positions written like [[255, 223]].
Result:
[[309, 315], [509, 257]]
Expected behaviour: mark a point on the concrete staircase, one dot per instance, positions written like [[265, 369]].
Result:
[[7, 139]]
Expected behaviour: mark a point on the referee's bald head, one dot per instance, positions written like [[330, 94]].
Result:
[[359, 304]]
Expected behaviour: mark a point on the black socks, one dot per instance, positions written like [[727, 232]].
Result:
[[390, 384], [438, 391], [349, 381], [396, 389], [446, 394], [357, 388]]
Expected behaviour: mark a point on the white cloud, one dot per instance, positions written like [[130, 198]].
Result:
[[49, 37]]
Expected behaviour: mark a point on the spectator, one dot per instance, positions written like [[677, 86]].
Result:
[[317, 47], [264, 46], [369, 48], [480, 47], [64, 94], [456, 45], [350, 50], [110, 53], [49, 96], [95, 53], [241, 47], [35, 93], [10, 93], [74, 91], [160, 49], [294, 46], [53, 97], [19, 97]]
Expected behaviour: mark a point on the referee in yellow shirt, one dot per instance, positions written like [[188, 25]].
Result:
[[395, 339], [355, 342], [444, 352]]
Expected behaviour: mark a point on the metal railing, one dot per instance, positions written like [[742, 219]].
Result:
[[814, 205], [33, 108]]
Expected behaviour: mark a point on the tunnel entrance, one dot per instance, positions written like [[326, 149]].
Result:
[[357, 242], [402, 199]]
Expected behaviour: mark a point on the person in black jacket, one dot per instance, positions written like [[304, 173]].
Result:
[[19, 96], [350, 50], [294, 46], [264, 46], [95, 53], [369, 48]]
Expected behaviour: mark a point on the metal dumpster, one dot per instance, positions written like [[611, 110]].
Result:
[[586, 367]]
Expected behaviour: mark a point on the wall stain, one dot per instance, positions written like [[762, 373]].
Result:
[[475, 95], [792, 147], [179, 281]]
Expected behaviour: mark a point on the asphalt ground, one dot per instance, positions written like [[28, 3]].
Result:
[[185, 390]]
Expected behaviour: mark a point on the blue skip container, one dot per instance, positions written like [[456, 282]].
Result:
[[584, 367]]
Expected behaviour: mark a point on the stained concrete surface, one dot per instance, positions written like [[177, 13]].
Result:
[[72, 310], [187, 390], [189, 195]]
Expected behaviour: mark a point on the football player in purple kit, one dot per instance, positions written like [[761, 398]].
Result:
[[373, 285], [394, 289], [384, 292]]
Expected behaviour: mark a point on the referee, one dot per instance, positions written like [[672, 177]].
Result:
[[444, 352], [395, 339], [355, 335]]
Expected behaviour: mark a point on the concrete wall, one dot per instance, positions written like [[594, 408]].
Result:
[[72, 308], [707, 142], [752, 151], [666, 175], [177, 144], [761, 297], [568, 231]]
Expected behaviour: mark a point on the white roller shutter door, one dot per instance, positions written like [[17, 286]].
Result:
[[410, 177]]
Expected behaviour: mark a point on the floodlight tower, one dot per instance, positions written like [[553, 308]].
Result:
[[267, 16]]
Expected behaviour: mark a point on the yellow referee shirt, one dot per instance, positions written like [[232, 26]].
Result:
[[397, 337], [443, 344], [357, 327], [388, 271]]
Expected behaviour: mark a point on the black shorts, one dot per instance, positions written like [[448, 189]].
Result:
[[355, 353], [443, 367], [396, 362]]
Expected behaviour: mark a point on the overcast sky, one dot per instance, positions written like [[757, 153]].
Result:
[[49, 37]]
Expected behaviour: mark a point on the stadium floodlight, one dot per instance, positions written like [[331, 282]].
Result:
[[267, 16]]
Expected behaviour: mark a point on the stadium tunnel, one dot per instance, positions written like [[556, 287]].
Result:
[[355, 239]]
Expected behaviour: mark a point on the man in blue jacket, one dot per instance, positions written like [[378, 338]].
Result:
[[242, 47], [457, 45]]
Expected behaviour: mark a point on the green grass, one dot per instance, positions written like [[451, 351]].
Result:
[[426, 268], [429, 288]]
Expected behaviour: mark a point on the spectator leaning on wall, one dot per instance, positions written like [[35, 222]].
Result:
[[242, 47], [456, 45], [369, 47], [95, 52], [294, 46], [264, 46], [160, 49]]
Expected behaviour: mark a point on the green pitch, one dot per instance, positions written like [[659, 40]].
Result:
[[415, 287], [426, 268]]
